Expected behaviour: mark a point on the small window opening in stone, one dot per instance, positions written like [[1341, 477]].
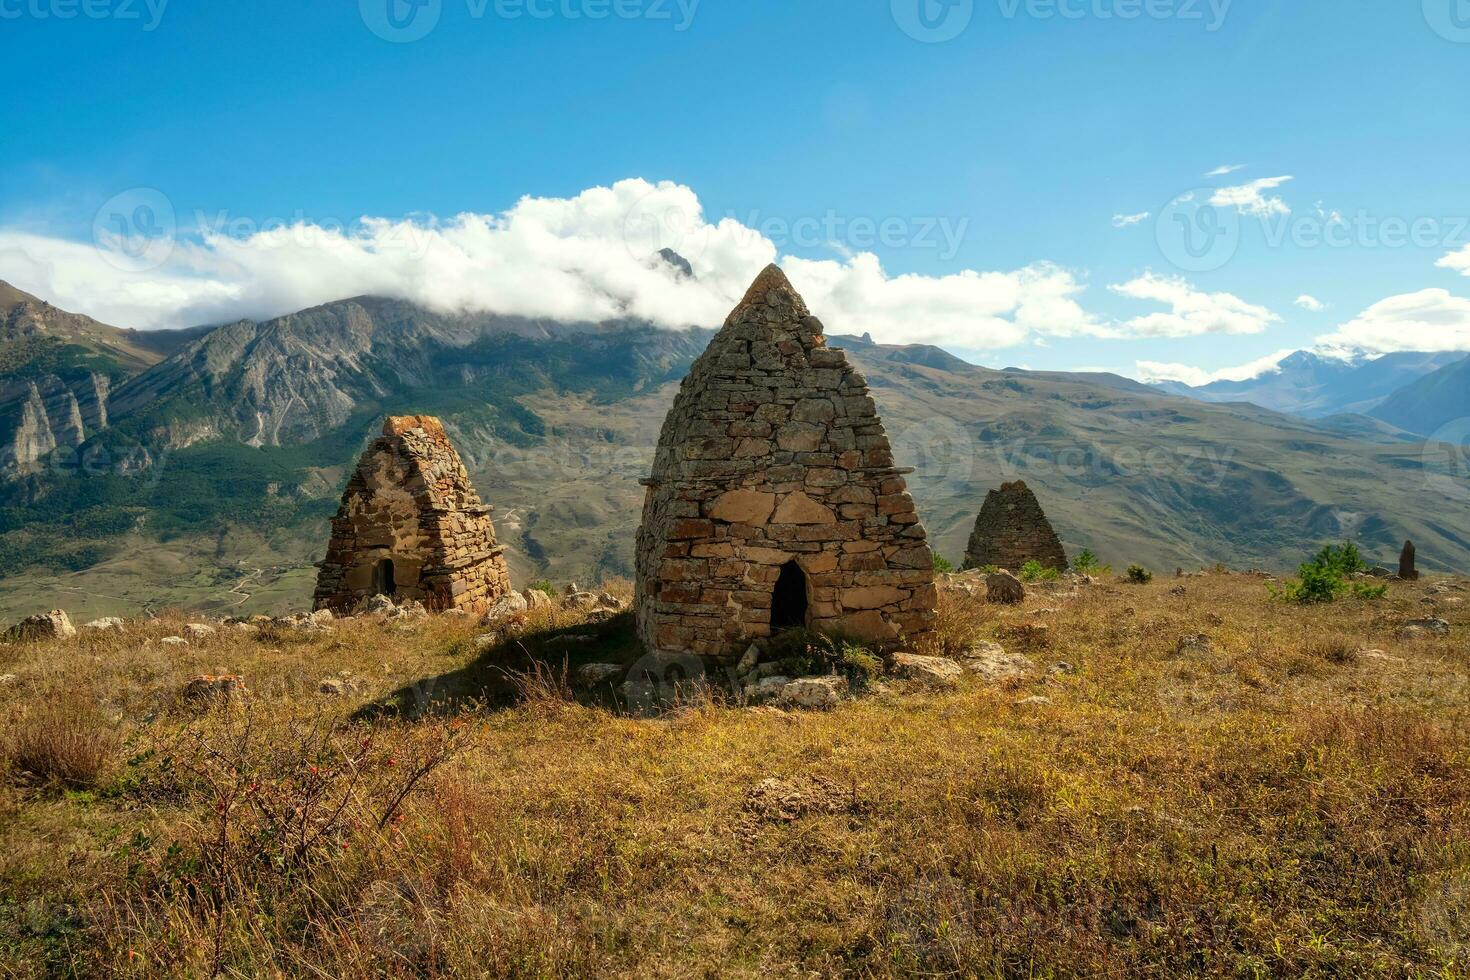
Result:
[[383, 581], [788, 602]]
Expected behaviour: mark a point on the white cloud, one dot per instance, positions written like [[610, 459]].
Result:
[[1128, 220], [1228, 168], [1250, 199], [1150, 371], [1457, 261], [587, 257], [1191, 311], [1311, 303], [1429, 320]]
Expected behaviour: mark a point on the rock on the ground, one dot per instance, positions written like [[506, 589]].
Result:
[[582, 600], [1034, 699], [209, 686], [105, 625], [337, 686], [749, 661], [594, 674], [1003, 587], [929, 671], [199, 630], [767, 688], [174, 641], [1425, 627], [512, 604], [1195, 644], [7, 679], [993, 663], [819, 693], [536, 599], [53, 625]]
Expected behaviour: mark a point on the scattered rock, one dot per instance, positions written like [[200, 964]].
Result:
[[993, 663], [928, 671], [1034, 699], [749, 661], [337, 687], [571, 639], [536, 599], [7, 679], [105, 625], [1194, 645], [582, 600], [767, 688], [1179, 590], [208, 687], [199, 630], [1378, 571], [487, 641], [594, 674], [820, 693], [609, 601], [511, 604], [245, 629], [1004, 588], [174, 641], [785, 801], [53, 625], [1061, 668], [1380, 655], [1424, 627]]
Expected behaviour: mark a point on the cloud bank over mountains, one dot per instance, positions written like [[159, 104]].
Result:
[[593, 256]]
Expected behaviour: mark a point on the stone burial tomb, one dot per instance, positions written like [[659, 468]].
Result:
[[412, 527], [774, 501], [1012, 530]]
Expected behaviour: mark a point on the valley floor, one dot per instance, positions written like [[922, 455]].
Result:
[[1191, 778]]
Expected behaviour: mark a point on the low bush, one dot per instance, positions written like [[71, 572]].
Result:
[[1325, 578], [942, 565], [1034, 571], [63, 742], [1139, 575]]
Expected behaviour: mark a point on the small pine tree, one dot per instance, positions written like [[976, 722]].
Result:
[[1139, 575], [942, 565]]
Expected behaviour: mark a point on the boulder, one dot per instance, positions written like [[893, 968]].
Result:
[[199, 630], [820, 693], [993, 663], [593, 674], [767, 687], [536, 599], [337, 687], [208, 687], [53, 625], [1004, 588], [174, 641], [107, 624], [1424, 627], [928, 671], [511, 604], [749, 661]]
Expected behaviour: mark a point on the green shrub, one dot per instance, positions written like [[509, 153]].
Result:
[[1034, 571], [544, 585], [1139, 575], [1087, 563], [1325, 578], [942, 565], [806, 652]]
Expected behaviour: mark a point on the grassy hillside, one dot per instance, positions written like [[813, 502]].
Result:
[[1288, 798]]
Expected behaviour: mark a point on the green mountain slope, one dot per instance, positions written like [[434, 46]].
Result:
[[223, 462]]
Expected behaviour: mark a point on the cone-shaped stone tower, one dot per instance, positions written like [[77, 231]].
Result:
[[774, 501], [1012, 530], [411, 526]]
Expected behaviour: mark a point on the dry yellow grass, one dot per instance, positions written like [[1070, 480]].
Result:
[[1276, 802]]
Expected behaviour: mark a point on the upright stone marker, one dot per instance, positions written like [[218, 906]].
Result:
[[1407, 570], [774, 501]]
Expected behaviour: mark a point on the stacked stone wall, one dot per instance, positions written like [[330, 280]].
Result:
[[410, 501], [772, 453], [1012, 530]]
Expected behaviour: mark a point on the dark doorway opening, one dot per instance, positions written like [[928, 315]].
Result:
[[788, 601], [383, 581]]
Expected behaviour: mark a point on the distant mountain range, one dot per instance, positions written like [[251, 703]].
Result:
[[1315, 386], [199, 468]]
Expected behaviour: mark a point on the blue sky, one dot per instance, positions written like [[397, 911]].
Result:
[[1021, 142]]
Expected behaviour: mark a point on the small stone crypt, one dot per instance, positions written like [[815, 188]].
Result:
[[1011, 530], [412, 527], [774, 501]]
